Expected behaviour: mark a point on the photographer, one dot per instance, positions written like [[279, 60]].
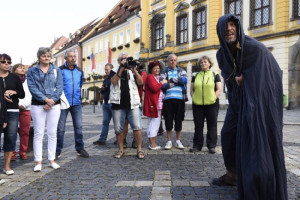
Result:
[[125, 100]]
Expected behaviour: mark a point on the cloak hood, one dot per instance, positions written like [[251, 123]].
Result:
[[224, 55]]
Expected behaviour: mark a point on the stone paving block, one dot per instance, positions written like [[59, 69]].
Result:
[[161, 197], [199, 184], [157, 172], [161, 190], [162, 183], [295, 171], [161, 177], [180, 183], [125, 184], [143, 183]]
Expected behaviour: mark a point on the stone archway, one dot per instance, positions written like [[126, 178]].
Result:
[[294, 76]]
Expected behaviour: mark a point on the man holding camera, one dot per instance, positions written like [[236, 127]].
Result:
[[125, 100]]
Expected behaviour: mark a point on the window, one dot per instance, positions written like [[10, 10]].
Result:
[[182, 29], [127, 35], [96, 47], [121, 38], [137, 29], [296, 9], [157, 31], [101, 45], [115, 40], [199, 23], [233, 7], [260, 12]]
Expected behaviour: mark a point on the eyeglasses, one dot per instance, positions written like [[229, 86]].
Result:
[[5, 61]]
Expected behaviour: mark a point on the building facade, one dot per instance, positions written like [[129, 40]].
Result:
[[118, 31], [188, 29]]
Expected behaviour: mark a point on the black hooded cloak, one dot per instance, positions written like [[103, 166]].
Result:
[[252, 133]]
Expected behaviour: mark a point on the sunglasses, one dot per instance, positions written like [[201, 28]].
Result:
[[5, 61]]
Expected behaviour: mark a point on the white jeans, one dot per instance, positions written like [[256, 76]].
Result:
[[153, 125], [39, 117]]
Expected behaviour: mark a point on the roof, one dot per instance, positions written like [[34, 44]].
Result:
[[74, 38], [58, 42], [118, 15]]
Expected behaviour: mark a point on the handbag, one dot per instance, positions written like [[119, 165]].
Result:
[[64, 103]]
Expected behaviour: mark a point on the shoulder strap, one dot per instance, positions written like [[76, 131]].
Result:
[[55, 75]]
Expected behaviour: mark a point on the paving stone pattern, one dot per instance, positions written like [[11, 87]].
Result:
[[175, 174]]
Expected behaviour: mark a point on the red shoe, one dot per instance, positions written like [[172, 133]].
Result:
[[24, 156]]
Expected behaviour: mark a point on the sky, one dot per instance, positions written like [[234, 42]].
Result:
[[27, 25]]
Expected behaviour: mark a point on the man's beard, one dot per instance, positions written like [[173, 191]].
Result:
[[231, 41]]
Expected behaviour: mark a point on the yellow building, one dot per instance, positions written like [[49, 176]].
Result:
[[188, 29], [119, 31]]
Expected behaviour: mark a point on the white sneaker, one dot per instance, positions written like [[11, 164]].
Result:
[[54, 165], [37, 168], [168, 145], [8, 172], [179, 145], [154, 148]]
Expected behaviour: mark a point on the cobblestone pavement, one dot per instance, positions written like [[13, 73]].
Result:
[[175, 174]]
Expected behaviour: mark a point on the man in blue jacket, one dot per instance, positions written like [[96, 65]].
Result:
[[73, 80]]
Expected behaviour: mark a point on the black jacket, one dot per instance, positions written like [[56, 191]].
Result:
[[258, 105], [3, 113]]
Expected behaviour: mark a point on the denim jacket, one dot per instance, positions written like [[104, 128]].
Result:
[[43, 86]]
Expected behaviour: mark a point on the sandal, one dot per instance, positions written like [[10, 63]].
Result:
[[140, 155], [119, 154]]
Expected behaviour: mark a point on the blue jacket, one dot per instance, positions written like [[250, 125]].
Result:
[[73, 80], [43, 86]]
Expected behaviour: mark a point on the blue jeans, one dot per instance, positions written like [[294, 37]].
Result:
[[10, 132], [132, 115], [107, 115], [76, 113]]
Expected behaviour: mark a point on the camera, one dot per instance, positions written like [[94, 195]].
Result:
[[130, 63]]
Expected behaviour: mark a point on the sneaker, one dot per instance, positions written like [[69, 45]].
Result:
[[37, 168], [57, 155], [99, 143], [211, 150], [154, 148], [83, 153], [54, 166], [8, 172], [168, 145], [179, 145]]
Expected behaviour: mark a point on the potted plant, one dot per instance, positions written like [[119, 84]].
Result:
[[127, 45], [136, 40]]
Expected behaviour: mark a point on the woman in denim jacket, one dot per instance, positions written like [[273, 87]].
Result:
[[45, 84]]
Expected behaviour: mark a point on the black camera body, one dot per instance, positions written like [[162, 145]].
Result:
[[130, 63]]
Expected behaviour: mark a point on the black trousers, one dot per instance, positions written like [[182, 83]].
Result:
[[210, 113], [174, 111]]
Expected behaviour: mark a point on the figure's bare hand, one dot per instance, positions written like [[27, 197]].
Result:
[[164, 81], [239, 80], [4, 125]]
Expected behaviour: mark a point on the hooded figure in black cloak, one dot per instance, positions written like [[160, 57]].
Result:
[[252, 133]]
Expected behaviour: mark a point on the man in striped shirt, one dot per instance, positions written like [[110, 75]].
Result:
[[174, 101]]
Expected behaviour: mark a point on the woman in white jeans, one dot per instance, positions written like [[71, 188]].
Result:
[[45, 84]]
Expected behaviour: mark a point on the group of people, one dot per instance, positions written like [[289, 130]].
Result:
[[251, 136], [36, 94]]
